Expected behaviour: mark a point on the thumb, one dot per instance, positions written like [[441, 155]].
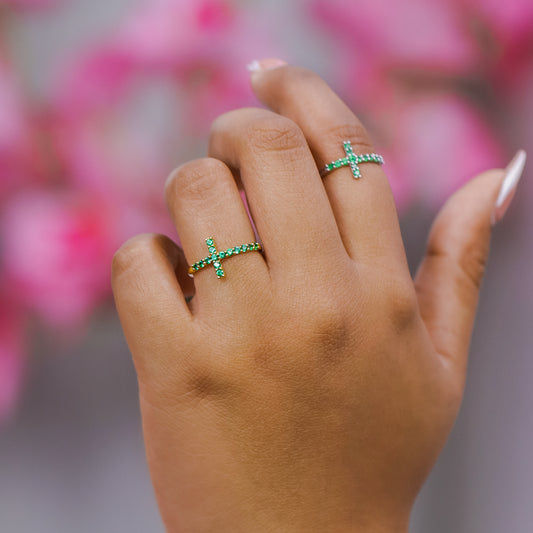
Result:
[[450, 275]]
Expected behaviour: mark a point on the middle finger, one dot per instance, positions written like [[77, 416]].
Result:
[[289, 205]]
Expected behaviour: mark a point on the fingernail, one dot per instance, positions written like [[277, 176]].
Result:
[[513, 173], [265, 64]]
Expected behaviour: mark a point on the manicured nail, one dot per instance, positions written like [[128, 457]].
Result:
[[265, 64], [513, 173]]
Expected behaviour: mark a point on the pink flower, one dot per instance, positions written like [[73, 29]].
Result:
[[510, 22], [200, 47], [57, 250], [18, 156], [118, 122], [12, 359], [377, 40], [505, 34], [439, 143], [118, 153]]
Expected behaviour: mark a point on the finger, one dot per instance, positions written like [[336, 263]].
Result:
[[289, 206], [148, 296], [364, 209], [449, 278], [204, 202]]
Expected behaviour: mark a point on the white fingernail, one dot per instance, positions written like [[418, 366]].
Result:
[[254, 66], [265, 64], [513, 173]]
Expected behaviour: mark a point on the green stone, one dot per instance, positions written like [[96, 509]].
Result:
[[216, 264], [244, 247], [221, 255], [201, 264], [209, 242], [214, 257], [212, 249], [208, 261], [237, 250], [229, 252], [220, 273], [336, 164]]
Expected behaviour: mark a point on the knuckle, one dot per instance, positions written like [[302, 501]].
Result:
[[194, 179], [354, 132], [473, 263], [274, 133], [132, 252], [469, 263], [325, 322], [402, 303]]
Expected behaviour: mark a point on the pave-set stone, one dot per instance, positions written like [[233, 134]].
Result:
[[352, 160], [215, 257]]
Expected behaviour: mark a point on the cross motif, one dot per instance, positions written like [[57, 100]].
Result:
[[352, 160], [215, 257]]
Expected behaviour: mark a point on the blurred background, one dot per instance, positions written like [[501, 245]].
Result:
[[100, 100]]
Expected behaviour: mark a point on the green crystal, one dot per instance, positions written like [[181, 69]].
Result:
[[221, 255], [229, 252], [209, 242], [244, 247], [220, 273], [212, 249], [237, 250]]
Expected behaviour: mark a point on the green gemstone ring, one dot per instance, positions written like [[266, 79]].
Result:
[[352, 160], [215, 257]]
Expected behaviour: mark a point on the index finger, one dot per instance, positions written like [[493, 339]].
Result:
[[364, 209]]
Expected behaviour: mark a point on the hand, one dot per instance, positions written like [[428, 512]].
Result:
[[314, 386]]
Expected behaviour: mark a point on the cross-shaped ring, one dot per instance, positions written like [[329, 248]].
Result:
[[215, 257], [352, 160]]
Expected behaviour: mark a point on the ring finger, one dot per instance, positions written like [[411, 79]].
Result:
[[204, 203]]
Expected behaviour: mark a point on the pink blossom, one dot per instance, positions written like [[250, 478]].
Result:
[[505, 37], [510, 22], [117, 153], [376, 40], [439, 143], [128, 111], [201, 47], [12, 358], [18, 158], [57, 252]]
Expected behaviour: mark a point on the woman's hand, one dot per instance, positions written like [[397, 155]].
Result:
[[313, 387]]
